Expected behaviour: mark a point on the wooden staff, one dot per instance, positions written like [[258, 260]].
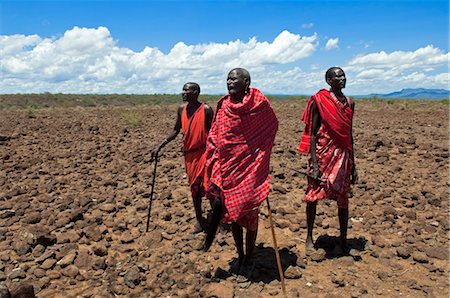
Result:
[[151, 194], [277, 255], [307, 174]]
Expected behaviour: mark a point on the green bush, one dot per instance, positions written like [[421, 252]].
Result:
[[132, 119]]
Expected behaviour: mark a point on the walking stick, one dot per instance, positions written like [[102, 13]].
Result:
[[277, 255], [306, 174], [151, 194]]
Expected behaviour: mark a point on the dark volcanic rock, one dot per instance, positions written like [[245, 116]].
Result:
[[67, 259], [4, 292], [4, 214], [22, 290], [420, 257], [404, 252], [293, 272], [318, 255], [100, 250], [48, 263], [93, 233], [17, 273], [21, 247], [75, 185], [132, 277], [32, 218], [440, 253], [70, 271]]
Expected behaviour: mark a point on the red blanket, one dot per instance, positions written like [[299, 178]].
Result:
[[194, 143], [336, 118], [333, 148], [238, 153]]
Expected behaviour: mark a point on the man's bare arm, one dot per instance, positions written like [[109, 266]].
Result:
[[316, 122], [209, 115], [172, 134]]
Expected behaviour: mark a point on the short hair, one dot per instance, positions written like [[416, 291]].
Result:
[[244, 72], [196, 86], [330, 72]]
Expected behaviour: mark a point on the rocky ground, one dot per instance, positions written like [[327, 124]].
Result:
[[75, 184]]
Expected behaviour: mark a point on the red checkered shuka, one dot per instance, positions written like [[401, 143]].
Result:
[[333, 148], [336, 118], [238, 153]]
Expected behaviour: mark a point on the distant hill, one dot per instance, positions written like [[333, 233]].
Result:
[[416, 93]]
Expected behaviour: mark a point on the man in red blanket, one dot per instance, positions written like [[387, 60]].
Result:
[[328, 138], [237, 160], [194, 119]]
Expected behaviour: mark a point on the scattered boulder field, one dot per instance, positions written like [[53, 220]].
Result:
[[75, 185]]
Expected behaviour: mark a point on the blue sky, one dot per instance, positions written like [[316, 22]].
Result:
[[156, 46]]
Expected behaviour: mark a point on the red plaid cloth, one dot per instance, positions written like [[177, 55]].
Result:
[[333, 148], [336, 117], [238, 154]]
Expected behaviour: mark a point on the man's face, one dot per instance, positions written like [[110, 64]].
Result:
[[236, 82], [337, 79], [189, 92]]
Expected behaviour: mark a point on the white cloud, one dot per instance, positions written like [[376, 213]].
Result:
[[14, 43], [427, 56], [89, 60], [332, 43], [424, 67]]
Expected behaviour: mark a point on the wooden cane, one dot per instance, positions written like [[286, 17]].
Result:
[[307, 174], [277, 255], [151, 194]]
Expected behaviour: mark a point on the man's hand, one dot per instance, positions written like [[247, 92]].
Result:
[[315, 175], [154, 153], [354, 177]]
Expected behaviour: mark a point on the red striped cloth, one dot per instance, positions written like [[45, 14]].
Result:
[[333, 148], [238, 153], [337, 119]]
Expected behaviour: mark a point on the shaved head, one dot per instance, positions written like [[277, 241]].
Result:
[[194, 85], [332, 72], [243, 72]]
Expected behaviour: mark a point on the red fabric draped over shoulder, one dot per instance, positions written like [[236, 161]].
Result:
[[238, 153], [333, 148], [337, 119], [194, 143]]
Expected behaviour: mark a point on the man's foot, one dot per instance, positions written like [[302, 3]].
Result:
[[213, 224], [309, 247], [197, 228], [221, 236], [235, 266], [247, 267]]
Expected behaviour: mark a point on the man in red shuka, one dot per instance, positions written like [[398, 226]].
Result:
[[194, 120], [237, 162], [328, 138]]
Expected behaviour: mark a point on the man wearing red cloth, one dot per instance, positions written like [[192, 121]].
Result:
[[328, 138], [237, 160], [194, 119]]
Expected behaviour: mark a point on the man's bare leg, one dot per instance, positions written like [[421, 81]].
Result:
[[216, 205], [343, 223], [200, 224], [250, 244], [247, 265], [310, 218], [239, 241]]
